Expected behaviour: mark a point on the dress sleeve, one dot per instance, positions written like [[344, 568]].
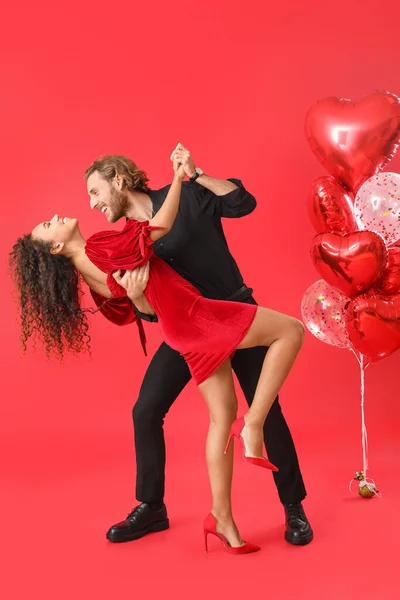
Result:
[[145, 241], [136, 253], [120, 311], [118, 292], [237, 203]]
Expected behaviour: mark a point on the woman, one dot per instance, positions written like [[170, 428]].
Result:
[[47, 264]]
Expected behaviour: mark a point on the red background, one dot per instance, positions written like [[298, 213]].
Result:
[[233, 82]]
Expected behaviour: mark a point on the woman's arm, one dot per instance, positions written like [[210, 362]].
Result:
[[166, 215], [95, 279]]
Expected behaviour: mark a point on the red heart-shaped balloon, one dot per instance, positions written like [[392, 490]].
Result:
[[352, 263], [331, 206], [374, 325], [354, 140], [389, 283]]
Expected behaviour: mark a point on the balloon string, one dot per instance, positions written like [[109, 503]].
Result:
[[364, 435], [370, 483]]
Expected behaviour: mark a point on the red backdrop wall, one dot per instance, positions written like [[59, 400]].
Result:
[[233, 82]]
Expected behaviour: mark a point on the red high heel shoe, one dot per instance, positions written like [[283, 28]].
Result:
[[210, 527], [236, 430]]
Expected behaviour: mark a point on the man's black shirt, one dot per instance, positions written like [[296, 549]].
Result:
[[196, 246]]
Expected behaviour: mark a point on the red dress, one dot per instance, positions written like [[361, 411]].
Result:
[[205, 332]]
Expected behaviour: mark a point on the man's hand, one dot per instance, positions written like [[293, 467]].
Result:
[[183, 156], [135, 283]]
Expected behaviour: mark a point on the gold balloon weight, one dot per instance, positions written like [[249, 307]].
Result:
[[366, 487]]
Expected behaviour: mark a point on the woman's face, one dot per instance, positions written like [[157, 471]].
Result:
[[58, 230]]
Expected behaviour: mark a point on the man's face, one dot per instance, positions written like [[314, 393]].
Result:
[[107, 197]]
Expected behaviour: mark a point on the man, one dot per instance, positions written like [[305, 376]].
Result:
[[197, 249]]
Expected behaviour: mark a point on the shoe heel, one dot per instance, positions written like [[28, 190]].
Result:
[[231, 435], [159, 526], [206, 540]]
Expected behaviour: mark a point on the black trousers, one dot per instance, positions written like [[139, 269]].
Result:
[[164, 380]]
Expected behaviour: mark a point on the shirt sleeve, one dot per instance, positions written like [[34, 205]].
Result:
[[237, 203], [146, 317]]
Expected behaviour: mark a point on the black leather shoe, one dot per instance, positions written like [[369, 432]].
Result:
[[298, 529], [141, 521]]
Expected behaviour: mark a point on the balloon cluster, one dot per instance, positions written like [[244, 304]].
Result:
[[356, 213]]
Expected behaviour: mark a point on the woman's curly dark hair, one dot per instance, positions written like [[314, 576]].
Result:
[[49, 293]]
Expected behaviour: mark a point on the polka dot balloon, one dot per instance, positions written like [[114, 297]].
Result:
[[377, 206], [323, 309]]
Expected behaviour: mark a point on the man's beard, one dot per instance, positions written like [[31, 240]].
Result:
[[118, 205]]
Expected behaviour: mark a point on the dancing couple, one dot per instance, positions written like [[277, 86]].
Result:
[[171, 263]]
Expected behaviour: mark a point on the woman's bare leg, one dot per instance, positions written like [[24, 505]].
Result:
[[219, 393], [284, 336]]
